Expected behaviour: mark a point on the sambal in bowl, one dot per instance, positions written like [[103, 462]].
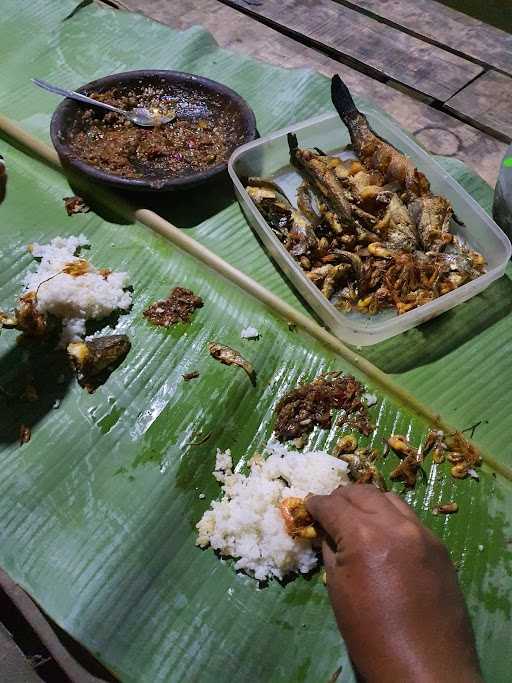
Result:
[[208, 122]]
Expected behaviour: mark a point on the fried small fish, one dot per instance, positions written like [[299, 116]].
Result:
[[29, 320], [397, 227], [288, 224], [96, 358], [320, 170], [297, 520], [229, 356], [367, 232], [432, 215], [375, 153], [362, 468]]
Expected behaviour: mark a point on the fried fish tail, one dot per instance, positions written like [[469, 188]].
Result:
[[357, 124], [374, 152]]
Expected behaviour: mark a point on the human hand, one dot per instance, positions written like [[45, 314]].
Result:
[[394, 590]]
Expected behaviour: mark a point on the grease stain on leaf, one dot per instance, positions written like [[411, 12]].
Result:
[[106, 423], [146, 456]]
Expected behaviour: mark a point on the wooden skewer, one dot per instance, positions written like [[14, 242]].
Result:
[[178, 237]]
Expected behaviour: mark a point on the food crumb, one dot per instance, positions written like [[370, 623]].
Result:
[[178, 307], [480, 548], [445, 509], [56, 404], [190, 375], [371, 399], [202, 496], [249, 333], [75, 204], [25, 434]]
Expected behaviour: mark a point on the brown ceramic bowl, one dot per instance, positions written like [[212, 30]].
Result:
[[67, 113]]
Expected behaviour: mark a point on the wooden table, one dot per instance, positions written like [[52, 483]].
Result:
[[445, 77]]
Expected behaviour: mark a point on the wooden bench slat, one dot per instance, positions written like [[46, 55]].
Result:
[[488, 100], [438, 131], [446, 27], [368, 43]]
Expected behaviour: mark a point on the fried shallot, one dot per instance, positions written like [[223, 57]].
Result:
[[310, 405], [178, 307], [411, 460]]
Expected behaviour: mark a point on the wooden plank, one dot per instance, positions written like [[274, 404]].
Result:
[[444, 27], [440, 133], [369, 44], [488, 100], [59, 644], [14, 666]]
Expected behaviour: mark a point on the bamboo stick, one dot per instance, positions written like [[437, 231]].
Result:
[[179, 238]]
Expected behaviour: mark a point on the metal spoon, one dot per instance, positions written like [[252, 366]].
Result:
[[139, 115]]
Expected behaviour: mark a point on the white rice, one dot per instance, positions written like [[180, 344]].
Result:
[[371, 399], [74, 299], [249, 333], [246, 523]]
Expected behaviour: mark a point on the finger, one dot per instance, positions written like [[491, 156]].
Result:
[[340, 511], [328, 555], [330, 565], [366, 498], [402, 506], [330, 511]]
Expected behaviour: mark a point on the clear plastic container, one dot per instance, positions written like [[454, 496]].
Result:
[[269, 157]]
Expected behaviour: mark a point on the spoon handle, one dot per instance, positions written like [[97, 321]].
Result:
[[74, 95]]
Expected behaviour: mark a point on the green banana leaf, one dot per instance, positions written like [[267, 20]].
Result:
[[98, 509]]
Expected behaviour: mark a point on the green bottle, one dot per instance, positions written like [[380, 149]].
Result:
[[502, 207]]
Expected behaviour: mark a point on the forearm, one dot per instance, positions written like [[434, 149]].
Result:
[[406, 647], [394, 591]]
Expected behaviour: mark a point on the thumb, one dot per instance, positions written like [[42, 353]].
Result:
[[340, 512], [329, 511]]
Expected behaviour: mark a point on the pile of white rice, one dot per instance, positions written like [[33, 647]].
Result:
[[246, 523], [74, 300]]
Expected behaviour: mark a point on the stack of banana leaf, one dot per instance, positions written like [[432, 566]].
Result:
[[98, 509]]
